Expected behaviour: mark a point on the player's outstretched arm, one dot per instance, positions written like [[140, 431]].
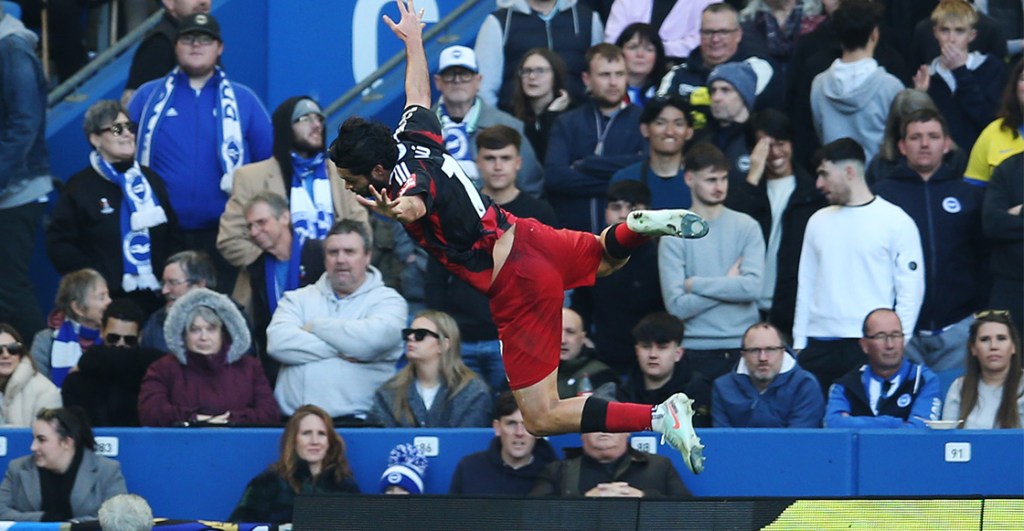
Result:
[[409, 29]]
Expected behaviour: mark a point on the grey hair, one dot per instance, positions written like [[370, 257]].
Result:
[[100, 115], [348, 226], [208, 314], [277, 203], [197, 267], [126, 512]]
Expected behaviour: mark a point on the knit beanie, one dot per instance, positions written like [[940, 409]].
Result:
[[406, 466], [741, 76]]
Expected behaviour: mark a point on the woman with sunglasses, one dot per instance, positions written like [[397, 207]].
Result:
[[25, 391], [63, 479], [990, 394], [435, 389], [114, 216]]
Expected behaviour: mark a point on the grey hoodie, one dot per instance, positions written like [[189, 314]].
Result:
[[178, 321], [853, 100]]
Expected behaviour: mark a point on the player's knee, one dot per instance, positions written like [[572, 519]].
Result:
[[538, 427]]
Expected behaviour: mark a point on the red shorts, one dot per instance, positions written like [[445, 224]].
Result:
[[528, 294]]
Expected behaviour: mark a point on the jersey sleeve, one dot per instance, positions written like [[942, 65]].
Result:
[[421, 127]]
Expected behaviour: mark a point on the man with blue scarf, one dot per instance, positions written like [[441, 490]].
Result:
[[195, 129]]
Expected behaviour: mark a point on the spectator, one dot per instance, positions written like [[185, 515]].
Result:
[[990, 394], [731, 87], [499, 161], [665, 123], [315, 197], [565, 27], [1002, 138], [63, 479], [774, 27], [24, 170], [852, 98], [206, 377], [126, 512], [591, 142], [720, 42], [659, 373], [995, 29], [106, 384], [313, 461], [463, 114], [1003, 223], [183, 272], [196, 155], [82, 297], [965, 85], [406, 467], [780, 195], [947, 212], [645, 61], [578, 361], [540, 96], [607, 466], [676, 22], [887, 392], [155, 56], [712, 284], [435, 389], [24, 391], [877, 236], [114, 216], [511, 463], [767, 389], [286, 263], [889, 158], [343, 328], [616, 303]]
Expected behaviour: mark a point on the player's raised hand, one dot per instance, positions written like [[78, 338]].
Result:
[[410, 24]]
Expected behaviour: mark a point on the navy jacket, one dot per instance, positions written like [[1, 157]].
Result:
[[577, 179], [792, 400], [485, 474], [973, 106], [916, 398], [22, 107], [947, 212]]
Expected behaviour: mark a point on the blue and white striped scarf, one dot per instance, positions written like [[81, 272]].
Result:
[[67, 349], [310, 202], [229, 127]]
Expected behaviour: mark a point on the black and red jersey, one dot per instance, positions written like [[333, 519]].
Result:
[[461, 225]]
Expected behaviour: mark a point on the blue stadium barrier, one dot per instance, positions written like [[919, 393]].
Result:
[[201, 473]]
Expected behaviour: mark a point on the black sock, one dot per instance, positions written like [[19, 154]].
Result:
[[595, 412], [612, 246]]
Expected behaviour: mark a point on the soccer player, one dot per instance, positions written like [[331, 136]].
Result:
[[523, 266]]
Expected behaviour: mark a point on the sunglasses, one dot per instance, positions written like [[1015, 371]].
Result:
[[113, 339], [14, 349], [419, 334], [118, 128], [991, 313]]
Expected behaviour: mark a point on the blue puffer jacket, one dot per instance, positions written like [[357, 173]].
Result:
[[792, 400]]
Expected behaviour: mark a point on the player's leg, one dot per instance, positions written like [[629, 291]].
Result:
[[620, 239]]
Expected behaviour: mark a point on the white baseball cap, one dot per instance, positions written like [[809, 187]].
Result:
[[458, 56]]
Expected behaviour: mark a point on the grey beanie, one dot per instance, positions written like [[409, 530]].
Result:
[[741, 76]]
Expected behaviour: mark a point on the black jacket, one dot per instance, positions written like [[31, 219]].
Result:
[[684, 380], [107, 383], [485, 474], [1006, 190], [578, 473]]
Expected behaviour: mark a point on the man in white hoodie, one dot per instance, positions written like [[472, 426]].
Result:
[[339, 338], [852, 98]]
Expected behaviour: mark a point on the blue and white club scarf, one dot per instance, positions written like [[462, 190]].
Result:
[[67, 349], [311, 205], [229, 127], [140, 211]]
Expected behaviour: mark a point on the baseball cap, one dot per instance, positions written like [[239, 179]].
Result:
[[200, 23], [458, 56]]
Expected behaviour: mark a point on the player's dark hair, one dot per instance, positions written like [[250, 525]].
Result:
[[854, 20], [771, 122], [705, 155], [505, 405], [498, 137], [658, 327], [845, 148], [633, 192], [361, 145]]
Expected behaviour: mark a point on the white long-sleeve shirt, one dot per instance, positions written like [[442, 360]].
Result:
[[856, 259]]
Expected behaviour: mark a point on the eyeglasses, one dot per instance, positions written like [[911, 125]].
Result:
[[14, 349], [895, 336], [453, 74], [173, 283], [113, 339], [712, 33], [192, 40], [539, 71], [984, 314], [763, 350], [419, 334], [118, 128], [311, 117]]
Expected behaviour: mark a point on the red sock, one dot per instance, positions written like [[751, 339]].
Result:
[[625, 417], [627, 238]]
